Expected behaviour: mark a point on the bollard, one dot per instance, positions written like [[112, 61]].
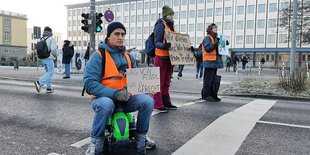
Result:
[[307, 67], [283, 69], [259, 68], [237, 68]]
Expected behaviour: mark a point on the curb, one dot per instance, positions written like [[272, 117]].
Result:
[[269, 97]]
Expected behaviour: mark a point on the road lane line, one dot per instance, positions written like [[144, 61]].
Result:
[[53, 153], [225, 135], [284, 124], [81, 143]]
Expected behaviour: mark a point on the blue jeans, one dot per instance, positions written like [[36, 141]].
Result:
[[104, 108], [199, 69], [67, 70], [46, 78]]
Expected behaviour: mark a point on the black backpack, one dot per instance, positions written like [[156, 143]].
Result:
[[42, 49]]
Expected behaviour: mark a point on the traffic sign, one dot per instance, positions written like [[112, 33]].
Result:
[[109, 16]]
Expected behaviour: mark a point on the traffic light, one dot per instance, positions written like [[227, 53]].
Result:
[[85, 22], [98, 22]]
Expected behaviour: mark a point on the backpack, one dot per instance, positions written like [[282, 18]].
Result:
[[150, 46], [102, 51], [42, 48]]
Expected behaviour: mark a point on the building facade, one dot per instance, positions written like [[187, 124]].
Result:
[[13, 35], [248, 24]]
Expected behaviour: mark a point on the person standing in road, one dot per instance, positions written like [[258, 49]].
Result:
[[212, 60], [48, 63], [228, 63], [199, 65], [86, 55], [235, 62], [67, 54], [110, 87], [162, 60], [181, 67]]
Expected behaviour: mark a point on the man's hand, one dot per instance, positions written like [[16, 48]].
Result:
[[122, 95]]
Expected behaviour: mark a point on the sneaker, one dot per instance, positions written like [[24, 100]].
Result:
[[216, 99], [66, 77], [91, 149], [178, 77], [49, 90], [171, 107], [196, 76], [150, 144], [208, 98], [162, 109], [37, 85], [140, 144]]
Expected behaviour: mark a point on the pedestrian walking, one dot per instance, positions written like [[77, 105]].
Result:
[[244, 60], [67, 54], [108, 87], [199, 64], [162, 60], [235, 62], [262, 62], [137, 55], [86, 55], [228, 63], [180, 71], [46, 78], [212, 60]]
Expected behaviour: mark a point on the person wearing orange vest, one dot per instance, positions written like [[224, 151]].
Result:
[[162, 60], [211, 62], [110, 87]]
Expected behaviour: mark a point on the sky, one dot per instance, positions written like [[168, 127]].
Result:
[[42, 13]]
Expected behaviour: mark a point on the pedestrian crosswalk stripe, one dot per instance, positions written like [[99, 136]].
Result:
[[284, 124], [225, 135]]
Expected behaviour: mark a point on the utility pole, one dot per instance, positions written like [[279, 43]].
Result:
[[293, 43], [92, 27]]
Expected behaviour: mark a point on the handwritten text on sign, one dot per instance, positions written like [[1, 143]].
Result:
[[143, 80], [180, 52]]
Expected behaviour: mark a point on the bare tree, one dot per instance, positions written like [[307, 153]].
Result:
[[303, 20]]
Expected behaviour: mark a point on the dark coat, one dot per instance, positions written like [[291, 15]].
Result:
[[209, 47], [159, 30], [67, 53]]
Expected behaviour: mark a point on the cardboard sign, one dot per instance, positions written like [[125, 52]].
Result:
[[223, 48], [143, 80], [180, 53]]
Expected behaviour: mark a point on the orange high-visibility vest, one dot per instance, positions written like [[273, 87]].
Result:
[[209, 56], [161, 52], [112, 78]]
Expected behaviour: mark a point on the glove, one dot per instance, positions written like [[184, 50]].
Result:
[[216, 41], [167, 45], [192, 49], [122, 95]]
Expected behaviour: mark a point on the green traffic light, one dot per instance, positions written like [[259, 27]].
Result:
[[99, 28]]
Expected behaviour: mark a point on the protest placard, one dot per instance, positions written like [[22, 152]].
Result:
[[180, 53], [143, 80], [223, 47]]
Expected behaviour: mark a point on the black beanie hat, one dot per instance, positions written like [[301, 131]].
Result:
[[113, 26]]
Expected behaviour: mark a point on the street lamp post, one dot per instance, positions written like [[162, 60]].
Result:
[[293, 43]]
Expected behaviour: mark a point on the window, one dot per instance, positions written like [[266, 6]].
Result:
[[70, 12], [139, 42], [271, 38], [184, 2], [272, 23], [218, 24], [139, 6], [200, 13], [191, 28], [199, 27], [153, 5], [218, 0], [74, 12], [132, 30], [119, 8], [6, 36], [283, 5], [146, 17], [126, 19], [153, 17], [200, 1], [261, 8], [240, 10], [239, 39], [192, 14], [176, 2], [228, 11], [272, 7], [70, 23], [133, 42], [183, 27], [126, 7], [146, 5], [146, 30], [282, 38], [209, 1], [139, 30], [218, 12], [119, 18], [227, 25], [261, 23], [176, 15], [139, 18], [133, 6], [250, 24], [191, 1], [133, 18], [169, 2], [209, 13], [250, 9], [249, 39], [160, 3], [239, 25], [260, 39], [183, 14]]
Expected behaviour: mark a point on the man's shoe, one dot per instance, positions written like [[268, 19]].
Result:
[[91, 149], [140, 144], [49, 90], [150, 144], [208, 98], [196, 76], [216, 99], [162, 110], [95, 147], [66, 77], [37, 85], [171, 107]]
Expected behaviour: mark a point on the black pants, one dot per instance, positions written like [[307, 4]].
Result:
[[207, 81], [181, 67]]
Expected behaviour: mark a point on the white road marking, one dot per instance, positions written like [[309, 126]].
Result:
[[225, 135], [284, 124], [81, 143], [53, 153]]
